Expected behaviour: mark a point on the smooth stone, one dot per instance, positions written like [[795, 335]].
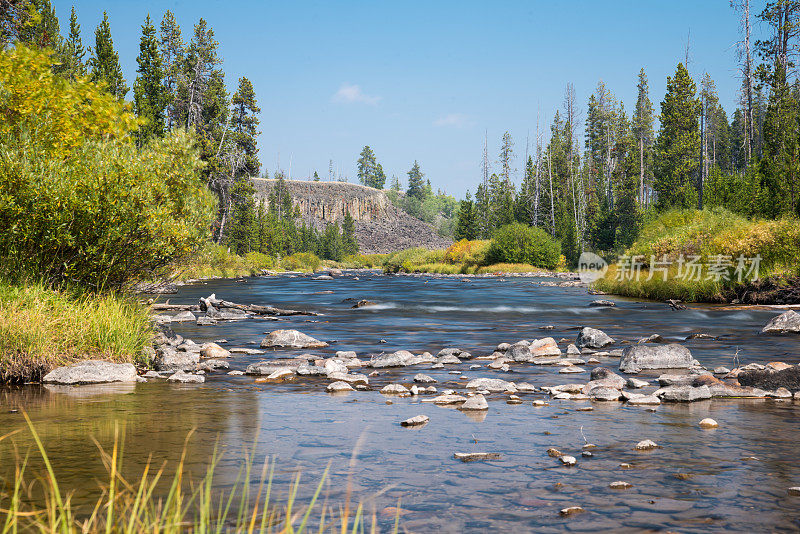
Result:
[[492, 384], [683, 393], [794, 491], [152, 374], [212, 350], [571, 370], [338, 386], [394, 389], [291, 339], [400, 358], [569, 461], [636, 383], [186, 378], [571, 510], [788, 322], [653, 338], [601, 393], [721, 370], [213, 365], [415, 421], [640, 357], [476, 402], [643, 400], [708, 423], [572, 350], [168, 359], [646, 445], [245, 350], [280, 374], [619, 484], [423, 379], [354, 378], [92, 372], [236, 373], [447, 399], [183, 316], [539, 402]]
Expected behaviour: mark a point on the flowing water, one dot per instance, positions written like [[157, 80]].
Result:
[[732, 478]]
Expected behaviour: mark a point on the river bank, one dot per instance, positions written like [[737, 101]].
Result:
[[523, 488]]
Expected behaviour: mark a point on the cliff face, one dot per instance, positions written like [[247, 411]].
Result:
[[380, 226]]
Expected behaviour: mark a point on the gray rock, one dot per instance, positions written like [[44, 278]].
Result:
[[212, 365], [152, 374], [423, 379], [401, 358], [416, 421], [519, 353], [492, 384], [546, 346], [244, 350], [567, 460], [672, 356], [236, 373], [310, 370], [448, 359], [346, 354], [788, 322], [636, 383], [603, 303], [169, 359], [336, 387], [267, 367], [476, 456], [206, 321], [601, 393], [394, 389], [724, 390], [647, 445], [572, 350], [654, 338], [447, 398], [476, 402], [683, 393], [291, 339], [355, 378], [721, 370], [186, 378], [571, 369], [592, 338], [91, 372], [183, 316]]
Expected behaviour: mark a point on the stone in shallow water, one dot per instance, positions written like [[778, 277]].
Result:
[[186, 378], [394, 389], [492, 384], [236, 373], [168, 359], [416, 420], [291, 339], [183, 316], [641, 357], [476, 456], [572, 369], [721, 370], [569, 461], [708, 423], [592, 338], [636, 383], [572, 510], [646, 445], [92, 372], [788, 322], [620, 484], [339, 386], [446, 399], [212, 350], [683, 393], [601, 393], [476, 402], [794, 491]]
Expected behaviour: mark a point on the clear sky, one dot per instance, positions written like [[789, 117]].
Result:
[[424, 80]]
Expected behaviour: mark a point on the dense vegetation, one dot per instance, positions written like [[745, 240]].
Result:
[[599, 198], [708, 236]]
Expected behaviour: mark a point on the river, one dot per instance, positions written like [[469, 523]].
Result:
[[733, 478]]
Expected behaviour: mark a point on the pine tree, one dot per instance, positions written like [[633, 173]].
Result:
[[149, 93], [316, 176], [506, 157], [244, 126], [416, 183], [71, 52], [678, 144], [173, 56], [40, 27], [643, 131], [105, 61], [370, 172], [349, 242], [467, 224]]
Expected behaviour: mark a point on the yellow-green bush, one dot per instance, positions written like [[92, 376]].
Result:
[[79, 203], [301, 261], [467, 252], [519, 243]]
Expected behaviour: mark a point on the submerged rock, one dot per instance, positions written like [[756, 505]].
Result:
[[91, 372], [476, 456], [571, 510], [394, 389], [639, 357], [416, 421], [708, 423], [291, 339], [401, 358], [683, 393], [592, 338], [646, 445], [603, 303], [184, 316], [788, 322], [186, 378], [336, 387]]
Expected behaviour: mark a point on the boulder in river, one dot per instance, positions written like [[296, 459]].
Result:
[[92, 372], [169, 359], [476, 456], [336, 387], [601, 393], [212, 350], [639, 357], [423, 379], [492, 384], [416, 421], [788, 322], [400, 358], [683, 393], [788, 378], [291, 339], [394, 389], [476, 402], [184, 316], [546, 346], [602, 303], [592, 338]]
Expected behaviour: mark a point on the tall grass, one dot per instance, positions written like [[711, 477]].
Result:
[[42, 328], [154, 503]]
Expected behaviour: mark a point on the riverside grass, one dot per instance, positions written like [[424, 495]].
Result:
[[42, 328], [705, 234], [132, 506]]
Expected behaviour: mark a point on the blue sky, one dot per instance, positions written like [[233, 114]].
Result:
[[424, 80]]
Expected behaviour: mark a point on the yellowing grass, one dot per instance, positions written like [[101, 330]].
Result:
[[42, 328]]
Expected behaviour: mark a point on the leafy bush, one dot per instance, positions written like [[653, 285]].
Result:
[[519, 243], [301, 261], [467, 252], [79, 203]]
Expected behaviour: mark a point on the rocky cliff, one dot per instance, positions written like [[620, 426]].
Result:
[[380, 226]]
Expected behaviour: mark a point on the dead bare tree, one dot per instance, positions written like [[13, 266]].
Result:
[[746, 69]]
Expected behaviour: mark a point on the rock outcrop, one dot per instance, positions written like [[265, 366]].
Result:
[[380, 226]]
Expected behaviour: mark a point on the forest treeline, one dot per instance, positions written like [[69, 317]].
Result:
[[597, 198]]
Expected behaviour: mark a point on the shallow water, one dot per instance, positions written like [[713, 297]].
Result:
[[306, 429]]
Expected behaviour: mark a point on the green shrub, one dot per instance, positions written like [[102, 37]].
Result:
[[301, 261], [519, 243]]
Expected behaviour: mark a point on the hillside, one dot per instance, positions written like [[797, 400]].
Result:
[[380, 226]]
